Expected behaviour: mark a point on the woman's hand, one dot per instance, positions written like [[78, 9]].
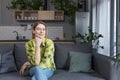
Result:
[[24, 66], [38, 41]]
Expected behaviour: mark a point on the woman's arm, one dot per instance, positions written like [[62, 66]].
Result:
[[37, 55], [24, 66], [33, 51], [48, 58]]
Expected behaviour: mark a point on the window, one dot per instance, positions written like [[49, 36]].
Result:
[[101, 18]]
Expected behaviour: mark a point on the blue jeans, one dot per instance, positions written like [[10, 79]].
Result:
[[38, 73]]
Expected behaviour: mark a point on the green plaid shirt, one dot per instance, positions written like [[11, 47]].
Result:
[[46, 52]]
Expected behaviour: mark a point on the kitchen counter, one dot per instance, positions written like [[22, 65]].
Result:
[[12, 41], [56, 41]]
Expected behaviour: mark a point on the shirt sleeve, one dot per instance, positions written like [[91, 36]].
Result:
[[47, 59], [30, 49]]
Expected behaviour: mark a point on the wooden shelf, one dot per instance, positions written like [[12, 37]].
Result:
[[25, 15], [28, 15], [59, 15], [46, 15]]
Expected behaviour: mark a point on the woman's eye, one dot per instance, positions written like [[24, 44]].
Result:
[[42, 29], [38, 29]]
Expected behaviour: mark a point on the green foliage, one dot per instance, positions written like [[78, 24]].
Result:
[[116, 57], [35, 4], [69, 7], [91, 37], [25, 4], [16, 3]]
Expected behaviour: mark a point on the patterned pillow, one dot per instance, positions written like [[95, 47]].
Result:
[[7, 63]]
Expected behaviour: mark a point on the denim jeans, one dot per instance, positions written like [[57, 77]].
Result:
[[38, 73]]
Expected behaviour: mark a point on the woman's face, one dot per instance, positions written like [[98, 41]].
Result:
[[39, 31]]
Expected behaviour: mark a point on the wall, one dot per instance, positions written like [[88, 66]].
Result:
[[6, 19], [7, 32], [53, 32]]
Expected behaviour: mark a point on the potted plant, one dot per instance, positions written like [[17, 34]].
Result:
[[69, 7], [91, 37], [117, 57], [17, 4], [35, 4], [25, 4]]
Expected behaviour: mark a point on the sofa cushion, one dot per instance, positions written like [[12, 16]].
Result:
[[20, 54], [80, 62], [62, 50], [61, 74], [13, 76], [7, 63], [6, 47]]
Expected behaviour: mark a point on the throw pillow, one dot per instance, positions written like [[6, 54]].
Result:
[[80, 62], [7, 63], [20, 54], [62, 50]]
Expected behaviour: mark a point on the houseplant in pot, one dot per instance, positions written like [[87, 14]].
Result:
[[90, 38], [68, 6], [25, 4], [117, 57], [17, 4]]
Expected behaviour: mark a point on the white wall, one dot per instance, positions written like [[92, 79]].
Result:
[[6, 32]]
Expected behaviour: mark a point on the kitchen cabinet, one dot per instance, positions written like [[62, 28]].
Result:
[[31, 15]]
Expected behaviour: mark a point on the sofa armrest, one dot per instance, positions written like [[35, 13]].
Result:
[[105, 66]]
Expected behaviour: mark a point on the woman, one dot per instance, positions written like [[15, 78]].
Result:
[[40, 53]]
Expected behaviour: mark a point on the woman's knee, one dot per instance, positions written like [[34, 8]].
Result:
[[35, 69]]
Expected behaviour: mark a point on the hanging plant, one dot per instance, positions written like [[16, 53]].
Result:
[[69, 7], [35, 4], [17, 4], [25, 4]]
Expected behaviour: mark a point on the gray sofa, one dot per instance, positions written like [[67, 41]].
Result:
[[102, 66]]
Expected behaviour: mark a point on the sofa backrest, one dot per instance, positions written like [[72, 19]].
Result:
[[7, 62], [18, 51], [62, 52], [6, 47], [20, 54]]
